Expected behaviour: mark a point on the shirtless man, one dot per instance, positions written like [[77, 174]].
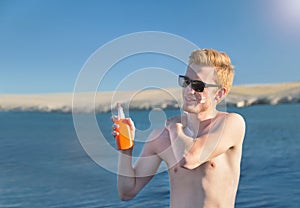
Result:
[[202, 148]]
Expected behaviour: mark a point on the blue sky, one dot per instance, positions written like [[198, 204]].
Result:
[[44, 44]]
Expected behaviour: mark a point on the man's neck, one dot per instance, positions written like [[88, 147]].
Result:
[[202, 116]]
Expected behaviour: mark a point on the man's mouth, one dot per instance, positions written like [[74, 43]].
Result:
[[191, 100]]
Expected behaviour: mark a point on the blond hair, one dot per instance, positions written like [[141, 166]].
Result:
[[220, 61]]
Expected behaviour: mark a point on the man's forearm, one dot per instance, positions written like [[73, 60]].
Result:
[[188, 150], [181, 146], [126, 175]]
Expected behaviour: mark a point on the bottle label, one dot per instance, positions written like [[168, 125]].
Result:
[[124, 139]]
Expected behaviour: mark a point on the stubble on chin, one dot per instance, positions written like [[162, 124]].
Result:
[[199, 108]]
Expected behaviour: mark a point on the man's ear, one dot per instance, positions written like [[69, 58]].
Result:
[[221, 93]]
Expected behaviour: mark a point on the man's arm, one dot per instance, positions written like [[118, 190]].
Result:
[[225, 135], [132, 179]]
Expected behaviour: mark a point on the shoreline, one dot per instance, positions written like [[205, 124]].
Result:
[[240, 96]]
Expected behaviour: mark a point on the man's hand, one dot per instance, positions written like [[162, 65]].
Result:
[[180, 142], [125, 125], [127, 121]]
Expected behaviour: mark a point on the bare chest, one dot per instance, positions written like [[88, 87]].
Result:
[[216, 173]]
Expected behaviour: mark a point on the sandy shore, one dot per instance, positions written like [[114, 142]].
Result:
[[240, 96]]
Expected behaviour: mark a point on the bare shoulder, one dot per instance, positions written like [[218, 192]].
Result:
[[158, 141], [235, 117], [236, 120], [235, 127], [232, 119]]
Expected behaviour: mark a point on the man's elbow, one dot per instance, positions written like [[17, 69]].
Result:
[[126, 196], [189, 164]]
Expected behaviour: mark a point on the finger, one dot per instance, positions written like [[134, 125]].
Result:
[[129, 122], [171, 121], [179, 127], [115, 134], [114, 118], [115, 126]]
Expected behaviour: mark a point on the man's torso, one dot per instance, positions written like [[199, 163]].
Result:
[[212, 184]]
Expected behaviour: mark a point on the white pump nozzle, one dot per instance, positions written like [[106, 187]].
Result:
[[120, 111]]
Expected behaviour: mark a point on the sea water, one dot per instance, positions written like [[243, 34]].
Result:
[[42, 163]]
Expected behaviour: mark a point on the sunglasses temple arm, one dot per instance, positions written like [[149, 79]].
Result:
[[212, 85]]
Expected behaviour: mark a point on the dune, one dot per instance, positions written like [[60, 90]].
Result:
[[240, 96], [272, 94]]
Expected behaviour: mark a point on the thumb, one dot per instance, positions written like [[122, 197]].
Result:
[[129, 122], [179, 128]]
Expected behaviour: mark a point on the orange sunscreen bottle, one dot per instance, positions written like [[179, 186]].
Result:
[[124, 139]]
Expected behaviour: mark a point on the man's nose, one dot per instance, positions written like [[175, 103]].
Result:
[[190, 89]]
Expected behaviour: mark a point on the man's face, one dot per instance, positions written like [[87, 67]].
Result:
[[197, 102]]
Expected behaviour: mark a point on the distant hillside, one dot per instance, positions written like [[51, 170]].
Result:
[[240, 96]]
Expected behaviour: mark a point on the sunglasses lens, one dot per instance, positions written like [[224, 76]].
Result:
[[198, 86], [183, 81]]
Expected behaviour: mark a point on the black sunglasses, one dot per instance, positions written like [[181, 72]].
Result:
[[196, 85]]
